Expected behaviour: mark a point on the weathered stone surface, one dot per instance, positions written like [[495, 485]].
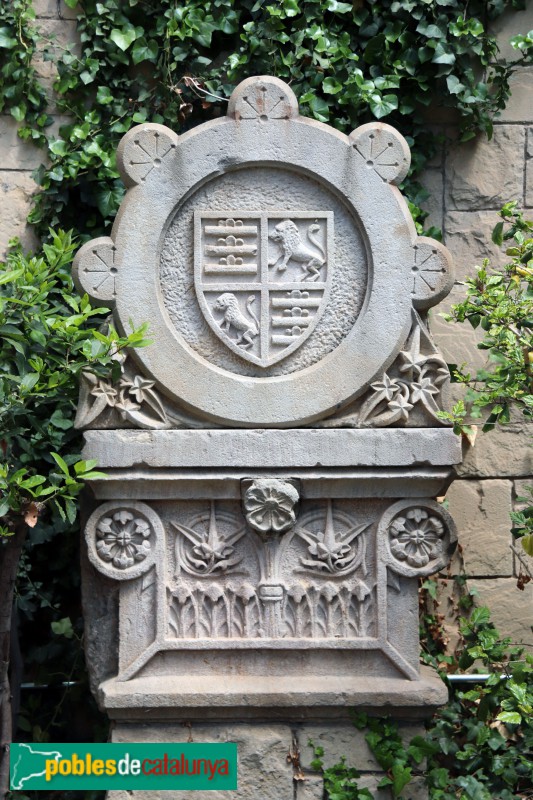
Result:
[[260, 585], [264, 771], [343, 740], [457, 343], [54, 9], [484, 174], [504, 452], [15, 153], [519, 105], [432, 180], [247, 349], [269, 448], [16, 190], [528, 199], [509, 24], [481, 512], [468, 236], [511, 609]]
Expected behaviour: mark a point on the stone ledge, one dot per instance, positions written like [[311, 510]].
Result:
[[395, 447], [162, 484], [156, 697]]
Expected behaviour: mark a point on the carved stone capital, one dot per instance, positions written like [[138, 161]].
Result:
[[270, 506], [123, 538], [416, 538]]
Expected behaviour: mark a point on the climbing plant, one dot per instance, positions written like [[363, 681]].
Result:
[[347, 62]]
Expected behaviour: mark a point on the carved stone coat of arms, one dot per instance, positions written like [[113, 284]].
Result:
[[262, 280]]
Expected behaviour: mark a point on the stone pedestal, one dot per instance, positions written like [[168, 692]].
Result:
[[271, 459]]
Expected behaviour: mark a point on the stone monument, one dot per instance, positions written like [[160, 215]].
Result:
[[272, 457]]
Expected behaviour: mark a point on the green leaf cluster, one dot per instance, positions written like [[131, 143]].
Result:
[[348, 63], [48, 337], [478, 747]]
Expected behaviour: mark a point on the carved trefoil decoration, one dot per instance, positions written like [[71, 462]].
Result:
[[202, 550], [262, 280]]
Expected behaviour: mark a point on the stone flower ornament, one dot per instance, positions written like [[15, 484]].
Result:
[[416, 537], [269, 505], [123, 539]]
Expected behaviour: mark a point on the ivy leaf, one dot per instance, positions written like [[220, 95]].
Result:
[[144, 51], [123, 38], [527, 543], [400, 777], [454, 84], [108, 200], [7, 41], [104, 96], [71, 3], [383, 105]]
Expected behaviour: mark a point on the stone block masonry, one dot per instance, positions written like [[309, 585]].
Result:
[[477, 179]]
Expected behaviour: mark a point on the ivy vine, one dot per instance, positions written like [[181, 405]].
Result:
[[348, 63]]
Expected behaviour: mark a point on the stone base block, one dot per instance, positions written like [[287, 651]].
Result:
[[274, 758]]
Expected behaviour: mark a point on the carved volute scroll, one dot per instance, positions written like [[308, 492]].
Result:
[[294, 270]]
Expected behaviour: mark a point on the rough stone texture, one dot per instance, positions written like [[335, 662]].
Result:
[[457, 343], [268, 448], [468, 236], [511, 609], [16, 154], [484, 174], [505, 453], [264, 771], [481, 511], [519, 106], [54, 9], [508, 25], [16, 189], [432, 180], [528, 200]]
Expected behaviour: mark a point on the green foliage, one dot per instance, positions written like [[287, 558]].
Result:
[[340, 780], [478, 747], [347, 62], [48, 338], [500, 301], [20, 92]]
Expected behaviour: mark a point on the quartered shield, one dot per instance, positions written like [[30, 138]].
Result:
[[262, 279]]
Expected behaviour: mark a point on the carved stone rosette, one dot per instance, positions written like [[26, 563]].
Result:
[[416, 538], [123, 539], [270, 506]]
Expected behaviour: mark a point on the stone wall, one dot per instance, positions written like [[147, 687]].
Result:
[[468, 184]]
